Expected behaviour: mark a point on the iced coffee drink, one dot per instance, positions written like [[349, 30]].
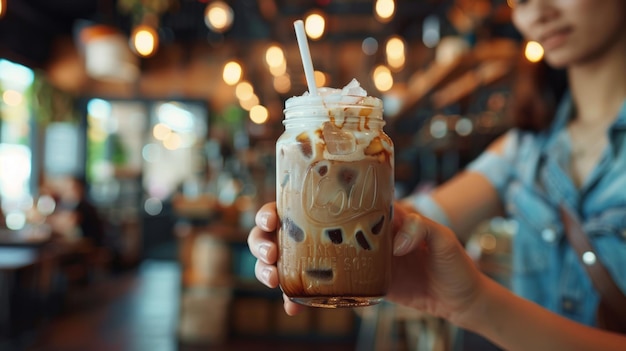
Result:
[[335, 186]]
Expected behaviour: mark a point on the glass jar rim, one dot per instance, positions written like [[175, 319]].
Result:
[[333, 101], [339, 105]]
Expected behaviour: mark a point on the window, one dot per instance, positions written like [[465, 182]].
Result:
[[16, 131]]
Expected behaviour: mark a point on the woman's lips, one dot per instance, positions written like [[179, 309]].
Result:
[[554, 39]]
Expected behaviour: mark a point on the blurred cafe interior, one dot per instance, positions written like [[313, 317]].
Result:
[[137, 140]]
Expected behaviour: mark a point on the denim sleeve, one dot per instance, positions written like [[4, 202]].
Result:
[[497, 168]]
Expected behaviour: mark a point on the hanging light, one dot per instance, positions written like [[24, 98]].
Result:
[[279, 70], [274, 56], [218, 16], [232, 73], [3, 7], [314, 25], [320, 78], [282, 84], [250, 102], [384, 10], [383, 80], [144, 40], [275, 59], [395, 51], [244, 90], [259, 114]]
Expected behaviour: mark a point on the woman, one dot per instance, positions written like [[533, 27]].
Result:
[[577, 158], [573, 156]]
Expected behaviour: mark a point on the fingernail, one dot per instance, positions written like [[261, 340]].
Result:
[[263, 250], [401, 244], [265, 275], [263, 219]]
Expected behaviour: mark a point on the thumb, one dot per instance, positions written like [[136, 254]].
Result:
[[416, 229]]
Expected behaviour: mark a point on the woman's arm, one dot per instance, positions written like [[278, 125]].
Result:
[[467, 200], [518, 324], [432, 273], [469, 197]]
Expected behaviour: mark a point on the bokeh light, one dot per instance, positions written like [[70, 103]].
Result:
[[244, 90], [145, 40], [232, 73], [533, 51], [384, 10], [282, 84], [383, 80], [259, 114], [218, 16], [369, 46], [314, 26]]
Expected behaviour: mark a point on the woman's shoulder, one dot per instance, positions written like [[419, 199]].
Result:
[[516, 141]]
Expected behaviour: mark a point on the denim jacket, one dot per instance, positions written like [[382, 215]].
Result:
[[532, 178]]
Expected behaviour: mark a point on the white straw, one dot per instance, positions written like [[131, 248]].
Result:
[[307, 63]]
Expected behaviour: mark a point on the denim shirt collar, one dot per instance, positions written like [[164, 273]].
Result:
[[556, 151], [620, 122]]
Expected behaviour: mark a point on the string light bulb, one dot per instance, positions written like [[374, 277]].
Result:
[[244, 90], [232, 73], [274, 56], [282, 83], [320, 78], [218, 16], [384, 10], [144, 40], [279, 70], [395, 51], [314, 25], [249, 103], [259, 114], [383, 80]]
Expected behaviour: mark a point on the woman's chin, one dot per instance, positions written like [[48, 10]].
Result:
[[556, 62]]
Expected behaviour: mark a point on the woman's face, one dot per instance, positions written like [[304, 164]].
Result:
[[571, 31]]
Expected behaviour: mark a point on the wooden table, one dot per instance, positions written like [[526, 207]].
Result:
[[28, 262], [13, 261]]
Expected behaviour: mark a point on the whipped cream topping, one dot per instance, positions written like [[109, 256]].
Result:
[[351, 94]]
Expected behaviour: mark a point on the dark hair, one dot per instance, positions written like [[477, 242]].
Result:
[[537, 90]]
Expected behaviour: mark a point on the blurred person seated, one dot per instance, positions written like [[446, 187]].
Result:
[[78, 226], [88, 220]]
